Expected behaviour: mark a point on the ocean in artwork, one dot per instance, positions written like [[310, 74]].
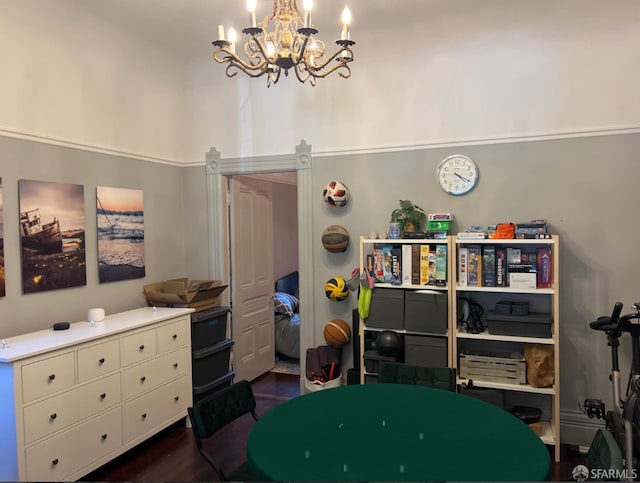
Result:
[[120, 239]]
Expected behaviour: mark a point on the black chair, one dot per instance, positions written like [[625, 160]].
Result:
[[214, 412], [437, 377]]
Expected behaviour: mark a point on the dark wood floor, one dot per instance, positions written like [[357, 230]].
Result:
[[172, 455]]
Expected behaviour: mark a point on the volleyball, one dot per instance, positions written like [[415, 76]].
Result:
[[335, 193], [337, 333], [335, 238], [336, 289]]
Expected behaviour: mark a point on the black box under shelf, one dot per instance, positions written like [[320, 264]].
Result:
[[536, 324], [373, 360]]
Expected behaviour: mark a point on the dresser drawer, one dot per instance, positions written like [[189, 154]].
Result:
[[47, 376], [69, 452], [147, 412], [138, 347], [148, 375], [172, 336], [58, 412], [98, 360]]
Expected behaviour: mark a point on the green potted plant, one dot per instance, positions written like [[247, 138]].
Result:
[[411, 217]]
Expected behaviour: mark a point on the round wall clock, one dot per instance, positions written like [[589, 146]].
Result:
[[457, 174]]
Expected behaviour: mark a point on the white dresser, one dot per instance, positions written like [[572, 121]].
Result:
[[74, 399]]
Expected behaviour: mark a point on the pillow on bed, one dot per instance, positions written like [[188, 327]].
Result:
[[284, 303]]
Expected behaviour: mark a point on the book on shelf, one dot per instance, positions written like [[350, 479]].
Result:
[[488, 266], [424, 264], [395, 277], [415, 264], [441, 265], [501, 266], [545, 267], [432, 265], [463, 257], [474, 266], [406, 264]]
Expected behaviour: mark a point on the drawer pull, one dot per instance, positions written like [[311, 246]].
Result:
[[101, 361], [52, 377], [104, 436], [175, 365], [53, 416], [144, 415], [143, 378], [54, 462], [103, 395], [175, 336], [141, 347], [177, 398]]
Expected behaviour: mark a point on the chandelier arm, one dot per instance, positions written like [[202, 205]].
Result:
[[233, 59], [249, 72], [338, 67], [338, 52]]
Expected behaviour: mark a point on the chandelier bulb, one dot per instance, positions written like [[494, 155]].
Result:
[[307, 5], [346, 20], [251, 6]]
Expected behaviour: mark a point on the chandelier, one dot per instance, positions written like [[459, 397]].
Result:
[[283, 41]]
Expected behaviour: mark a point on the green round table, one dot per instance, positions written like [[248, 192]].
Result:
[[393, 432]]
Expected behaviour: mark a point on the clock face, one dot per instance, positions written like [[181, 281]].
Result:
[[457, 174]]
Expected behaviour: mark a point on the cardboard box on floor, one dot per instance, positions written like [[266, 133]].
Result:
[[182, 292]]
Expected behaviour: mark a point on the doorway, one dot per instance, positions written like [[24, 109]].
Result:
[[219, 265], [263, 224]]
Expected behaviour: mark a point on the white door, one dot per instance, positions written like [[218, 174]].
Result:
[[252, 276]]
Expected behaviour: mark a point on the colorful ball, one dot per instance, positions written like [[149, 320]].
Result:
[[335, 238], [336, 289], [337, 333], [335, 193]]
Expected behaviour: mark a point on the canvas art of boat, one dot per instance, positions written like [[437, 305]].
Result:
[[45, 238]]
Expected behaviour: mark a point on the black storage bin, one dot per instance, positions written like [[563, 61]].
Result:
[[426, 351], [533, 325], [211, 363], [208, 327], [425, 311], [372, 361], [386, 310], [200, 392]]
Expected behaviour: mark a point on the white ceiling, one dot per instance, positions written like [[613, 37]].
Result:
[[186, 28]]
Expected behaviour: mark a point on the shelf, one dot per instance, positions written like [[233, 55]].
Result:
[[406, 332], [538, 291], [504, 241], [547, 436], [509, 387], [505, 338], [405, 241], [412, 287]]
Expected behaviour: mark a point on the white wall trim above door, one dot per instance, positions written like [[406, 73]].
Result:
[[217, 202]]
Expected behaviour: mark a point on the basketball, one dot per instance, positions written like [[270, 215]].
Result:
[[335, 238], [336, 289], [335, 193], [337, 333]]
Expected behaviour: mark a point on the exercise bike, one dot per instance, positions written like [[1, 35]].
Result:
[[623, 421]]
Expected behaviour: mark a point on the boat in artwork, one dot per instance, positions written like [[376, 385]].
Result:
[[44, 238]]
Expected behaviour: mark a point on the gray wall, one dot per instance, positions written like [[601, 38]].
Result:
[[285, 229], [584, 187], [163, 219]]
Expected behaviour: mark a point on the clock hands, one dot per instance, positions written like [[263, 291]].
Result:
[[462, 178]]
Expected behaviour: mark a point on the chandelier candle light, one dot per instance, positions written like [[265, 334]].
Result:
[[284, 40]]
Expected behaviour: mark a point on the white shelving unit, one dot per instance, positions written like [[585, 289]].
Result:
[[549, 297], [366, 248]]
